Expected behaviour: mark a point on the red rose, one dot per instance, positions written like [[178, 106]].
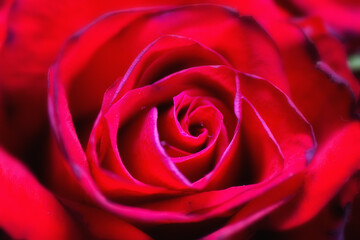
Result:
[[187, 122], [200, 128]]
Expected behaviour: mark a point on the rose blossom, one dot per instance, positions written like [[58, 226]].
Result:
[[171, 124], [185, 119]]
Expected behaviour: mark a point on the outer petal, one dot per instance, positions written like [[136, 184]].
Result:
[[342, 15], [27, 209], [331, 51], [104, 225], [322, 97], [257, 209], [334, 163]]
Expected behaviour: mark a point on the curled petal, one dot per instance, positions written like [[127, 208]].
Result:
[[151, 164]]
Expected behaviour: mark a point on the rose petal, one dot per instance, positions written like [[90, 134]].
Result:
[[220, 202], [104, 225], [141, 214], [57, 167], [164, 56], [325, 103], [335, 161], [110, 174], [156, 167], [27, 209], [196, 166], [172, 133], [203, 114], [263, 153], [331, 51], [290, 129], [257, 209], [340, 14]]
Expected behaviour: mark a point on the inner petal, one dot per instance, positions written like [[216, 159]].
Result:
[[189, 131], [129, 111], [141, 152]]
